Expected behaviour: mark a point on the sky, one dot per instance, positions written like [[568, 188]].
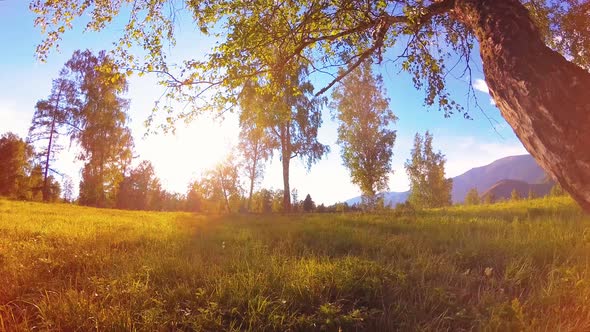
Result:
[[181, 157]]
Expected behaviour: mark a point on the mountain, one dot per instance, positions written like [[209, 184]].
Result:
[[522, 168], [503, 189], [391, 198]]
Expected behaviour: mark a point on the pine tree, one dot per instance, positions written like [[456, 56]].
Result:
[[53, 118], [308, 204]]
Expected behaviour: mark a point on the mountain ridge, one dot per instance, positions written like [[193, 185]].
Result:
[[522, 168]]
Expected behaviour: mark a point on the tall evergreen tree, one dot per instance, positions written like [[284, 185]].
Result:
[[54, 117], [428, 186], [364, 132], [308, 204]]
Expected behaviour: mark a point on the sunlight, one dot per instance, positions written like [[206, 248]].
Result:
[[195, 148]]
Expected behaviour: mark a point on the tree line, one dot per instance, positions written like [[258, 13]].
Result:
[[86, 106]]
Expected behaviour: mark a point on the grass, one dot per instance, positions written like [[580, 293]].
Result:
[[511, 266]]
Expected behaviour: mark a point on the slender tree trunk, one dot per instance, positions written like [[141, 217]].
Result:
[[224, 191], [286, 159], [544, 97], [48, 156], [253, 176]]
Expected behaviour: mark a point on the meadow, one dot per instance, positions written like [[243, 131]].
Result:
[[503, 267]]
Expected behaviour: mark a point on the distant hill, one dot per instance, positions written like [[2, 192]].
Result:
[[503, 189], [520, 168], [391, 198]]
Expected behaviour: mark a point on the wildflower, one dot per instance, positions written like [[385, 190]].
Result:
[[488, 271]]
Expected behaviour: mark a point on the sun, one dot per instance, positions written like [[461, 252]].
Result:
[[193, 149]]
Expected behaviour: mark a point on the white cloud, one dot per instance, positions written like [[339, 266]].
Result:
[[481, 85], [469, 152], [492, 101]]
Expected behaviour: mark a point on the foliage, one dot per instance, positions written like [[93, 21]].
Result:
[[105, 140], [68, 189], [289, 120], [218, 190], [428, 186], [53, 118], [255, 148], [140, 190], [514, 195], [497, 267], [15, 165], [308, 204], [489, 198], [557, 191], [259, 38], [472, 197], [363, 132]]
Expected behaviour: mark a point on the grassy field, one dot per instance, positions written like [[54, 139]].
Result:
[[511, 266]]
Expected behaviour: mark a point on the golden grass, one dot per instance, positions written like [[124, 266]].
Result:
[[510, 266]]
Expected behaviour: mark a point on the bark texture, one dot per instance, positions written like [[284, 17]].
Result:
[[544, 97]]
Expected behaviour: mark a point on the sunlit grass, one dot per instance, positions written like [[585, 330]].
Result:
[[509, 266]]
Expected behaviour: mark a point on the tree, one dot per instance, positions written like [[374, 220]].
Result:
[[50, 118], [290, 120], [363, 132], [262, 201], [472, 197], [522, 43], [428, 186], [490, 198], [532, 194], [194, 197], [140, 190], [105, 140], [255, 148], [308, 204], [15, 166], [514, 195], [222, 187], [68, 192]]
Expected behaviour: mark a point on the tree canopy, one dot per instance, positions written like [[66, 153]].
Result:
[[429, 188], [364, 131]]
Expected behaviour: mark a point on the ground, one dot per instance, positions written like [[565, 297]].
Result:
[[510, 266]]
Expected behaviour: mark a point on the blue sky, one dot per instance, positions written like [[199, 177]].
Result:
[[180, 158]]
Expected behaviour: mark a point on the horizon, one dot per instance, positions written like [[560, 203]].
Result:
[[465, 143]]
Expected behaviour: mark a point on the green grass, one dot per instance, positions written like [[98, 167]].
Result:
[[511, 266]]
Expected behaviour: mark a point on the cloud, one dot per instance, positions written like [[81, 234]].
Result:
[[492, 101], [481, 85], [464, 153]]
